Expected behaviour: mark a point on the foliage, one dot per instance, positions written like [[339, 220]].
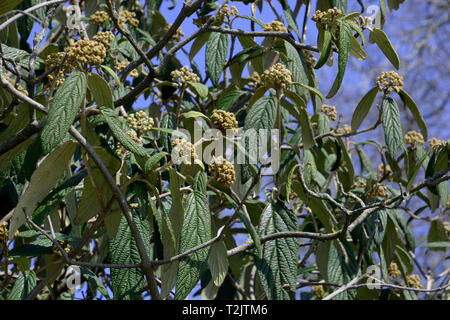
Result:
[[134, 202]]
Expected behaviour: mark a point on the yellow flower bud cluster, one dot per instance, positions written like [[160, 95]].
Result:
[[121, 151], [389, 81], [445, 223], [224, 120], [385, 170], [365, 22], [310, 59], [326, 17], [393, 270], [345, 129], [99, 17], [377, 190], [277, 77], [183, 151], [275, 25], [435, 143], [3, 232], [87, 51], [330, 111], [140, 122], [413, 280], [414, 137], [122, 64], [127, 17], [177, 35], [255, 79], [104, 37], [184, 75], [58, 252], [225, 11], [58, 75], [318, 292], [19, 87], [223, 172]]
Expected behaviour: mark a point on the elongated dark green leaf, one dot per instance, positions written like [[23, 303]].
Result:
[[262, 114], [342, 267], [393, 133], [363, 107], [171, 228], [89, 205], [200, 88], [100, 89], [227, 100], [216, 55], [153, 161], [415, 170], [254, 19], [127, 283], [63, 110], [195, 231], [326, 49], [94, 281], [290, 18], [198, 44], [8, 5], [412, 106], [436, 234], [383, 42], [51, 201], [345, 43], [307, 131], [23, 286], [296, 64], [218, 263], [278, 266], [118, 131], [42, 181]]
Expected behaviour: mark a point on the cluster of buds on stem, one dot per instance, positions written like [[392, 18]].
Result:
[[129, 17], [414, 137], [4, 232], [177, 35], [183, 151], [310, 58], [389, 81], [346, 129], [436, 144], [57, 251], [87, 51], [393, 270], [56, 59], [413, 280], [99, 17], [277, 77], [326, 17], [19, 87], [318, 291], [104, 37], [275, 25], [122, 65], [184, 75], [222, 171], [225, 11], [121, 151], [329, 111], [224, 120], [140, 122]]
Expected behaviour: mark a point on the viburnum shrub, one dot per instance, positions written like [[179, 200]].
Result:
[[161, 162]]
